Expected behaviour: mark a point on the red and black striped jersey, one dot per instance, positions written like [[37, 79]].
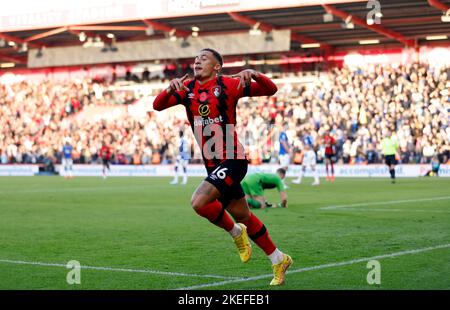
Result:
[[211, 111], [329, 142], [105, 152]]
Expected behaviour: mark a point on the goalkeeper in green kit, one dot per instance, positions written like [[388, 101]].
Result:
[[255, 184]]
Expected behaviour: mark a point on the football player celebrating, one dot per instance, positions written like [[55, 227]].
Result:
[[210, 101]]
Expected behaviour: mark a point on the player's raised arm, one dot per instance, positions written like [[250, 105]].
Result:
[[261, 86], [172, 95]]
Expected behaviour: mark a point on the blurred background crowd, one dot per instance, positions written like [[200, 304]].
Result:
[[356, 105]]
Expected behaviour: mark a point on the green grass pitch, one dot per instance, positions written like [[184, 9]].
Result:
[[145, 234]]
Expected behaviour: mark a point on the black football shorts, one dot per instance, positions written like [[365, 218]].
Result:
[[227, 177], [390, 160]]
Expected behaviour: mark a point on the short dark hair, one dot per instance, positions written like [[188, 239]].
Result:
[[281, 171], [216, 55]]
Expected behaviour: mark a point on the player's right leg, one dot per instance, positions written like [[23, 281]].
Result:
[[256, 202], [257, 231], [300, 176], [253, 193], [285, 161], [327, 163], [205, 203], [70, 168], [176, 169]]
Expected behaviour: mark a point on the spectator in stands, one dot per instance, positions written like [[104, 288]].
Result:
[[355, 103], [146, 75]]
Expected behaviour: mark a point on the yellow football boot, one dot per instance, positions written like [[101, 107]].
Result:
[[243, 244], [279, 270]]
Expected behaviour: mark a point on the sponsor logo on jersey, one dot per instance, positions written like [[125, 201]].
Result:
[[207, 121], [204, 110], [191, 95]]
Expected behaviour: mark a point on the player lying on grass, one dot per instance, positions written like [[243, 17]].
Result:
[[210, 101], [255, 184]]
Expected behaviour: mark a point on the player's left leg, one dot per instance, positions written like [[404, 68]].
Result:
[[285, 161], [204, 202], [316, 174], [70, 168], [104, 163], [392, 172], [106, 169], [332, 169], [257, 231], [390, 162], [184, 167]]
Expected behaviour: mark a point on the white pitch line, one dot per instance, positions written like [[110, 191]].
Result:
[[394, 210], [79, 189], [379, 203], [165, 273], [331, 265]]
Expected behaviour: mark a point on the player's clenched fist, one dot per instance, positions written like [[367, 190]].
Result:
[[177, 85]]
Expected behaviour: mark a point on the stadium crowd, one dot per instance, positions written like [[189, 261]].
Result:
[[355, 105]]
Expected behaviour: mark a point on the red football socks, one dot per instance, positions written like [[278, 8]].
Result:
[[214, 212], [259, 234]]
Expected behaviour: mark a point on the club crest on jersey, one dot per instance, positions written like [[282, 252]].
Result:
[[204, 110], [191, 95], [217, 90]]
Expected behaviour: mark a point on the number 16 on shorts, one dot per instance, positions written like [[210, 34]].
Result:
[[219, 173]]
